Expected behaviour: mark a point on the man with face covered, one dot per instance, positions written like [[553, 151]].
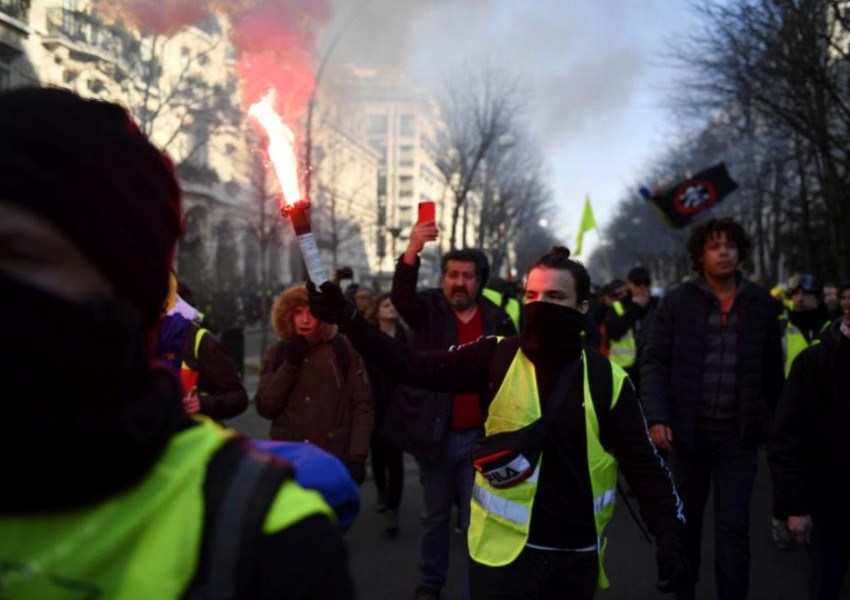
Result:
[[109, 489], [808, 319], [439, 428], [544, 537]]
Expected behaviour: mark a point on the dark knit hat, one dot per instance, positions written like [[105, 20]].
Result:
[[86, 167]]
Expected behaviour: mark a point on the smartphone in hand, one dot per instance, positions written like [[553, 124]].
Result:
[[427, 211]]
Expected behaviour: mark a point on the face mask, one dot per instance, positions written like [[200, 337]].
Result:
[[810, 320], [552, 329], [80, 392]]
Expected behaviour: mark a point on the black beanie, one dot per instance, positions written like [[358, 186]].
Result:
[[86, 167]]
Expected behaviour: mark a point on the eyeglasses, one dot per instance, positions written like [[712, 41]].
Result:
[[805, 282]]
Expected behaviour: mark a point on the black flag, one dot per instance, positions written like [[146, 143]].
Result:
[[685, 201]]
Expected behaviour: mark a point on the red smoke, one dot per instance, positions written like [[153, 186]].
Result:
[[275, 40]]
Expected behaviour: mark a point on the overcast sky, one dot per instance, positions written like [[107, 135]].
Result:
[[595, 72]]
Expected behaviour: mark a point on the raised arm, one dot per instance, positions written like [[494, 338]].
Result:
[[457, 370], [407, 302]]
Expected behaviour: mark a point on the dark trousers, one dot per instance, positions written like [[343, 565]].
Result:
[[719, 460], [537, 575], [830, 557], [388, 469], [444, 478]]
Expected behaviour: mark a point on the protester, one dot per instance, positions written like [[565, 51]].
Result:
[[211, 385], [504, 294], [807, 319], [314, 387], [629, 322], [364, 297], [830, 300], [809, 455], [711, 375], [844, 296], [543, 537], [387, 459], [609, 293], [109, 490], [439, 428]]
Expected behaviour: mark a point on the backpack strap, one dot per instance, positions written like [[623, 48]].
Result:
[[240, 488]]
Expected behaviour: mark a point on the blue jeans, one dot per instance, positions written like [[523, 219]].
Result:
[[445, 478], [719, 460]]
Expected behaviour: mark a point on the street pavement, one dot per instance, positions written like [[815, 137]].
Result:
[[384, 568]]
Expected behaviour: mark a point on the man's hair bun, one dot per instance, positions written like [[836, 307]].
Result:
[[559, 258]]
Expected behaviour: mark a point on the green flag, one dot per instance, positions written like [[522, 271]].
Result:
[[588, 222]]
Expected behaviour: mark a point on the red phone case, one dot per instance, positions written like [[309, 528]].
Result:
[[426, 211]]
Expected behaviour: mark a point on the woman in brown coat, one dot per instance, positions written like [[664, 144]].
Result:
[[313, 385]]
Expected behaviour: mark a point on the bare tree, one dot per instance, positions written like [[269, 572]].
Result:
[[788, 61], [479, 108], [267, 227], [346, 198]]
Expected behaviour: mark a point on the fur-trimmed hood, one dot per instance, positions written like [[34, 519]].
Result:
[[283, 309]]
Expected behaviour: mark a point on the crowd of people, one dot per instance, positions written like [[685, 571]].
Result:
[[123, 482]]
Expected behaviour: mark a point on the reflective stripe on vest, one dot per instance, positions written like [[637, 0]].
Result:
[[500, 519], [623, 351], [794, 342], [139, 544]]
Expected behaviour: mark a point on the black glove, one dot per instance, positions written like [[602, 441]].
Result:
[[330, 305], [295, 350], [357, 470], [674, 572]]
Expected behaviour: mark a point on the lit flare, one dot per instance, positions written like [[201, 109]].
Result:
[[281, 148]]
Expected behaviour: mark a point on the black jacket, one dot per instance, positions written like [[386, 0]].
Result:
[[563, 511], [673, 361], [419, 419], [222, 395], [809, 444]]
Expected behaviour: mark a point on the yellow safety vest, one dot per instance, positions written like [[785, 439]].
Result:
[[140, 544], [500, 519], [512, 307], [794, 342], [623, 351], [188, 372]]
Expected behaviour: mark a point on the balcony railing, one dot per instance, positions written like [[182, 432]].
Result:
[[88, 30], [17, 9]]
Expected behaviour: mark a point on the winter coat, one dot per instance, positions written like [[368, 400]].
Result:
[[418, 420], [809, 444], [316, 402], [674, 360]]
